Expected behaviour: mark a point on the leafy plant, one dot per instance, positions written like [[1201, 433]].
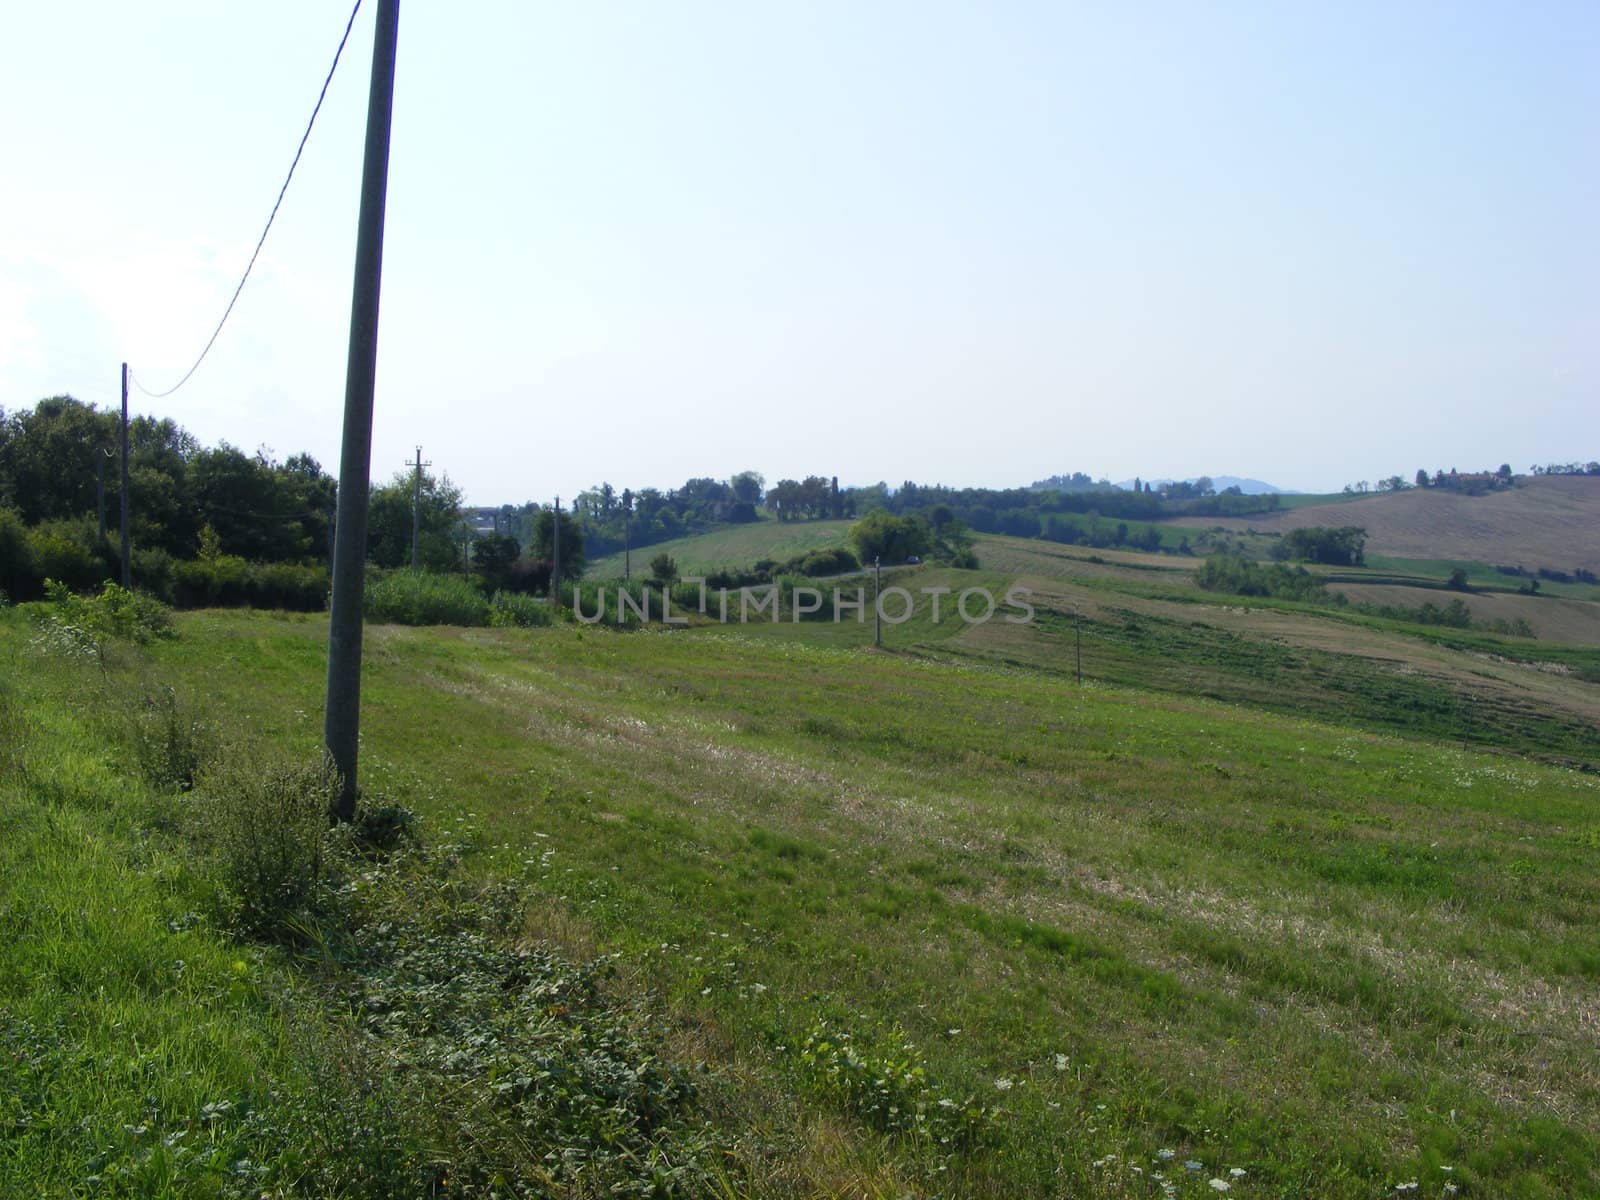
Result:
[[266, 824]]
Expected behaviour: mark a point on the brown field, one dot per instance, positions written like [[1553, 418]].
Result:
[[1551, 521], [1576, 622]]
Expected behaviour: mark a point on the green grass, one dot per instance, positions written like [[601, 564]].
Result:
[[731, 547], [1328, 957], [938, 919], [1479, 575]]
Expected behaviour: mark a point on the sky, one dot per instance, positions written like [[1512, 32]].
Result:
[[969, 243]]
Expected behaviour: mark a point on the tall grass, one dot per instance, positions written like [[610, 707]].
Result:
[[421, 598]]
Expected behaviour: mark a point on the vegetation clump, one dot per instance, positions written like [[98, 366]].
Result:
[[1239, 576]]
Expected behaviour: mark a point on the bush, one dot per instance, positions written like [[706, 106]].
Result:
[[265, 824], [82, 625], [17, 575], [1240, 577], [514, 609], [227, 581], [66, 551], [418, 598], [821, 562], [171, 741]]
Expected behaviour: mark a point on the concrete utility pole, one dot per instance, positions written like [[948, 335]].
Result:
[[127, 563], [555, 557], [341, 727], [416, 511]]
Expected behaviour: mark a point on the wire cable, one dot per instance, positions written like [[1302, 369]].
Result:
[[273, 216]]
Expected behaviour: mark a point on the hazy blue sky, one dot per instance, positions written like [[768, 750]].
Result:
[[970, 243]]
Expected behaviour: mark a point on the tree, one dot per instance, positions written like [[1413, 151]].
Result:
[[1344, 546], [493, 556], [891, 539], [389, 516], [663, 570], [542, 544], [1422, 477]]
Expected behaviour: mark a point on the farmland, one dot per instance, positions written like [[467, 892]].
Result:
[[1275, 891], [1544, 521]]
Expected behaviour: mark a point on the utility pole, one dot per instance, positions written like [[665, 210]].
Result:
[[555, 558], [877, 607], [341, 727], [627, 530], [127, 563], [416, 511]]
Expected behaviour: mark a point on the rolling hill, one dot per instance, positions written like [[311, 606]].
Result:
[[1545, 521]]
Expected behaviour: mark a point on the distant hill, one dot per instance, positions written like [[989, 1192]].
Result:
[[1544, 521], [1250, 487]]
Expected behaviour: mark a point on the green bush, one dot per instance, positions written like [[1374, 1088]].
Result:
[[81, 625], [418, 598], [17, 575], [227, 581], [171, 740], [516, 609], [266, 827], [1239, 577], [66, 551]]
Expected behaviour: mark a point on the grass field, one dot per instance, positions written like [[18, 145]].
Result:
[[732, 547], [1241, 900]]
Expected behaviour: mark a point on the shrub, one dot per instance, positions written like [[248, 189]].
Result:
[[171, 740], [418, 598], [1240, 577], [265, 825], [515, 609], [17, 575], [227, 581], [65, 551], [82, 625], [836, 561]]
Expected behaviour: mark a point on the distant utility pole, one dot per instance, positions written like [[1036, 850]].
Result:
[[555, 557], [416, 511], [627, 529], [341, 726], [127, 563], [877, 607]]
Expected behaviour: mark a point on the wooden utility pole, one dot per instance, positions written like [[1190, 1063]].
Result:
[[127, 563], [341, 727], [416, 512]]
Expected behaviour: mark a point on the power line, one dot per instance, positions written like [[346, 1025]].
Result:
[[271, 217]]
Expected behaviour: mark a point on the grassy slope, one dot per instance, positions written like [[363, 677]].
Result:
[[1336, 960], [732, 546]]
